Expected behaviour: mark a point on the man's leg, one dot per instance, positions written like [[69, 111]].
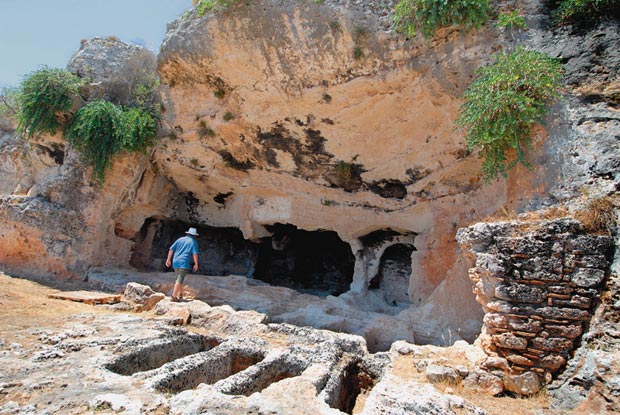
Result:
[[178, 285]]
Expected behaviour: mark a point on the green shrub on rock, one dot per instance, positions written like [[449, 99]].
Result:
[[99, 129], [427, 16], [503, 102], [206, 6], [45, 95], [583, 12], [102, 129]]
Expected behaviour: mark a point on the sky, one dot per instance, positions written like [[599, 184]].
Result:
[[34, 33]]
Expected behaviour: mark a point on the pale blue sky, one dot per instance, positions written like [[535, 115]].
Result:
[[34, 33]]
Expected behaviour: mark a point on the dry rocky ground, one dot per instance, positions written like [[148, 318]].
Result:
[[60, 357]]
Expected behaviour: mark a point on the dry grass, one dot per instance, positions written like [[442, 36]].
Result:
[[599, 216], [502, 215]]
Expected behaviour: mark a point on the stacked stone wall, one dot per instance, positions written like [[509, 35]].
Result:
[[538, 282]]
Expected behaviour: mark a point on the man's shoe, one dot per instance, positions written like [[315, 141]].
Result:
[[176, 300]]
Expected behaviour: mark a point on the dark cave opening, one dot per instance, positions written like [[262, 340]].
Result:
[[313, 262], [222, 251], [392, 278]]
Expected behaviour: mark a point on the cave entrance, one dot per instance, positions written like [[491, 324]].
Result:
[[222, 251], [392, 278], [313, 262]]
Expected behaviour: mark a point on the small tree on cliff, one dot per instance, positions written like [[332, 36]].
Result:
[[503, 103]]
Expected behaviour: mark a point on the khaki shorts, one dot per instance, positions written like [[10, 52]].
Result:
[[181, 273]]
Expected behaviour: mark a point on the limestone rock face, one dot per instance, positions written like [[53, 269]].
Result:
[[56, 219], [308, 118], [115, 69]]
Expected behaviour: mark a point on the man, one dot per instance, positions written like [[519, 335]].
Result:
[[183, 249]]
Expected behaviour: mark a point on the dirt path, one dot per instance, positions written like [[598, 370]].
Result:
[[25, 305]]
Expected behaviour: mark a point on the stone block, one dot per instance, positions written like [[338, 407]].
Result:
[[552, 362], [500, 306], [587, 292], [575, 301], [484, 382], [487, 263], [589, 244], [586, 261], [521, 293], [587, 277], [529, 325], [510, 341], [177, 316], [541, 276], [553, 344], [571, 331], [519, 360], [523, 246], [441, 374], [558, 313], [560, 289], [527, 383], [142, 296], [462, 371], [547, 264], [524, 334], [495, 320], [495, 362]]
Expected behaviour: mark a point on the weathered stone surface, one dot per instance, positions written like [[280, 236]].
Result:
[[510, 341], [523, 246], [115, 69], [527, 383], [552, 362], [587, 277], [519, 360], [495, 320], [177, 316], [574, 301], [494, 362], [414, 398], [528, 325], [536, 312], [585, 261], [540, 264], [590, 244], [570, 331], [492, 264], [561, 313], [142, 296], [521, 293], [441, 374], [484, 382], [552, 344]]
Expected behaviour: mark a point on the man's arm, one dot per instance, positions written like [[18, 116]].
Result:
[[169, 260], [195, 262]]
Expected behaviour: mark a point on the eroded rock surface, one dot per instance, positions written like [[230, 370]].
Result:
[[228, 363]]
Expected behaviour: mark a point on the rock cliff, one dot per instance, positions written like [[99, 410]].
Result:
[[317, 125]]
